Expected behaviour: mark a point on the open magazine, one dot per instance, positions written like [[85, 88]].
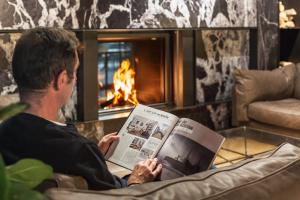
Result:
[[182, 146]]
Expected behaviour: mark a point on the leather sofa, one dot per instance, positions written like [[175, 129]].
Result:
[[268, 100], [273, 175]]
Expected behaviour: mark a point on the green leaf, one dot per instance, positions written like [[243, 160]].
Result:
[[29, 172], [4, 184], [16, 190], [12, 110], [21, 192], [31, 195]]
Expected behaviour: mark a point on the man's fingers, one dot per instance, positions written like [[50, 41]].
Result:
[[112, 134], [153, 164], [112, 138], [157, 170], [148, 162], [105, 137]]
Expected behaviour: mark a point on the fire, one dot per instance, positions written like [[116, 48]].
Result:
[[124, 85]]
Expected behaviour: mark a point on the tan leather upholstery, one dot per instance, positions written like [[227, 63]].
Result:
[[259, 85], [72, 182], [63, 181], [271, 176], [284, 113]]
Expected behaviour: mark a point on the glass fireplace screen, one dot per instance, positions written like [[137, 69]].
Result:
[[131, 70]]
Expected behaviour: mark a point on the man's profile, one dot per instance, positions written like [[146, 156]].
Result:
[[44, 64]]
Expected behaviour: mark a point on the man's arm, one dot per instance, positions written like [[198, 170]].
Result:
[[90, 164]]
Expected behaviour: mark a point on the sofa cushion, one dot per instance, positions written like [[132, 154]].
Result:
[[259, 85], [283, 113], [297, 82], [274, 175]]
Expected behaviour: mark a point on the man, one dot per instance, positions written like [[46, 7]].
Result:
[[44, 65]]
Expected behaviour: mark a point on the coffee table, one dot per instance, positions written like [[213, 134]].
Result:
[[244, 142]]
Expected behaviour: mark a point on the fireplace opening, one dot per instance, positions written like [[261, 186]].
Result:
[[133, 68]]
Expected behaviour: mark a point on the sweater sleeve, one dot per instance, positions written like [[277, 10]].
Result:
[[91, 165]]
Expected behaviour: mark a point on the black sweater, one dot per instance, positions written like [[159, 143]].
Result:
[[29, 136]]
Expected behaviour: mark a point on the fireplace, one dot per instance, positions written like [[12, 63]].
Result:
[[162, 66], [133, 68]]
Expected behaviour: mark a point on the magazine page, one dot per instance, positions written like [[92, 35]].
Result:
[[141, 136], [190, 148]]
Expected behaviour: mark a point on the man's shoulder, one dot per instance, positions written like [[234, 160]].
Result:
[[13, 122], [20, 121]]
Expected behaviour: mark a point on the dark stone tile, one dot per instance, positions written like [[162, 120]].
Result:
[[34, 8], [138, 9], [220, 7], [103, 5], [210, 91], [118, 19], [7, 10], [200, 73], [83, 14]]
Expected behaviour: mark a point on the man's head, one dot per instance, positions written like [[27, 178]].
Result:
[[45, 58]]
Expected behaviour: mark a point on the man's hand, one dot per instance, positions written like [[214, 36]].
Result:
[[145, 171], [106, 141]]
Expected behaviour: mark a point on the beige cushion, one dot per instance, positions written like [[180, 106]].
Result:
[[284, 113], [297, 82], [259, 85], [271, 176]]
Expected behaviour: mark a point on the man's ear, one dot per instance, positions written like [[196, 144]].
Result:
[[61, 80]]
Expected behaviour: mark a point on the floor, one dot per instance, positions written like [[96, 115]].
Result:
[[234, 150]]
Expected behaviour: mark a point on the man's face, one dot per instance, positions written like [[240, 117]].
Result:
[[70, 84]]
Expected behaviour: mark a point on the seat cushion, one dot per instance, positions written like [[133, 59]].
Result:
[[274, 175], [284, 113]]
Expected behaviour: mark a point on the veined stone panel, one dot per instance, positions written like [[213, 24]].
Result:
[[123, 14], [268, 33], [7, 45], [219, 52]]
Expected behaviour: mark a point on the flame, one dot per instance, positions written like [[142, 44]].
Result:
[[124, 84]]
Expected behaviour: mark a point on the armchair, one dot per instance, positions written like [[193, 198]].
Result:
[[269, 100]]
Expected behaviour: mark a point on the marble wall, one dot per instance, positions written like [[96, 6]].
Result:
[[120, 14], [268, 34]]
